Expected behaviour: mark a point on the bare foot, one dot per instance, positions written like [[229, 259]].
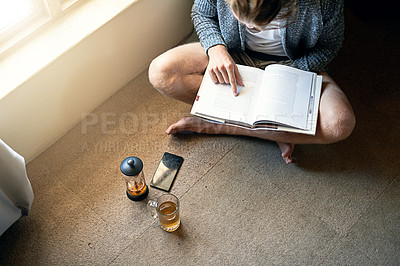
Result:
[[195, 124], [287, 150], [198, 125]]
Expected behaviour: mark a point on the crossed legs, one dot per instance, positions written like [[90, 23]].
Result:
[[178, 73]]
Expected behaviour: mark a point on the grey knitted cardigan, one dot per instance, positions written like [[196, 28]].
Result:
[[311, 42]]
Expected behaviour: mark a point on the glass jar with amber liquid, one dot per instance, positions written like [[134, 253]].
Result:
[[132, 170]]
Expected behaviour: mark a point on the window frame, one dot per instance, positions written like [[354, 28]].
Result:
[[45, 12]]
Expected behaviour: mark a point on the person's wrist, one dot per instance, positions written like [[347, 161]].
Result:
[[216, 49]]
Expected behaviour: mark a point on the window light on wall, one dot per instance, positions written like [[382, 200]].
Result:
[[20, 18]]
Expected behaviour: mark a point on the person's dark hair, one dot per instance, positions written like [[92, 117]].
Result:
[[262, 12]]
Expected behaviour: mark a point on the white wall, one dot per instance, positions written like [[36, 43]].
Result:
[[39, 111]]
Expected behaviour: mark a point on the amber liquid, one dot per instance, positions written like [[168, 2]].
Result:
[[168, 216], [136, 188]]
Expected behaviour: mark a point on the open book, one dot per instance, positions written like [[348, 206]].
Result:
[[278, 98]]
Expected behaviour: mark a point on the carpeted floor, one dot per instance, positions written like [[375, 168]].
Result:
[[241, 204]]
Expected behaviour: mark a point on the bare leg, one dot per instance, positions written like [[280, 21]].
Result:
[[178, 74], [336, 122]]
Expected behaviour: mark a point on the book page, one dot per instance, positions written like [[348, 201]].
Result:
[[217, 100], [284, 96]]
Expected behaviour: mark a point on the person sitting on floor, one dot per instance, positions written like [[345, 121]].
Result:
[[305, 34]]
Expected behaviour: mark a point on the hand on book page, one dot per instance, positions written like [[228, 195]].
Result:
[[222, 68], [281, 96]]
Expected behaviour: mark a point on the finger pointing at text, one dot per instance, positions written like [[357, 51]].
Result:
[[222, 68]]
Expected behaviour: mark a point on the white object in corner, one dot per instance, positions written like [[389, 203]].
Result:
[[16, 195]]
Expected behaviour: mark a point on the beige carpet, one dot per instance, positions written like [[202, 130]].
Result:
[[338, 204]]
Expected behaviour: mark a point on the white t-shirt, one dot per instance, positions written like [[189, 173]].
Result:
[[267, 41]]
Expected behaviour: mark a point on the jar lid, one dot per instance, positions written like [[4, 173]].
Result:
[[131, 166]]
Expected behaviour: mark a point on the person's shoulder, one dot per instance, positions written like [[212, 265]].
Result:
[[326, 4], [215, 3], [322, 3]]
